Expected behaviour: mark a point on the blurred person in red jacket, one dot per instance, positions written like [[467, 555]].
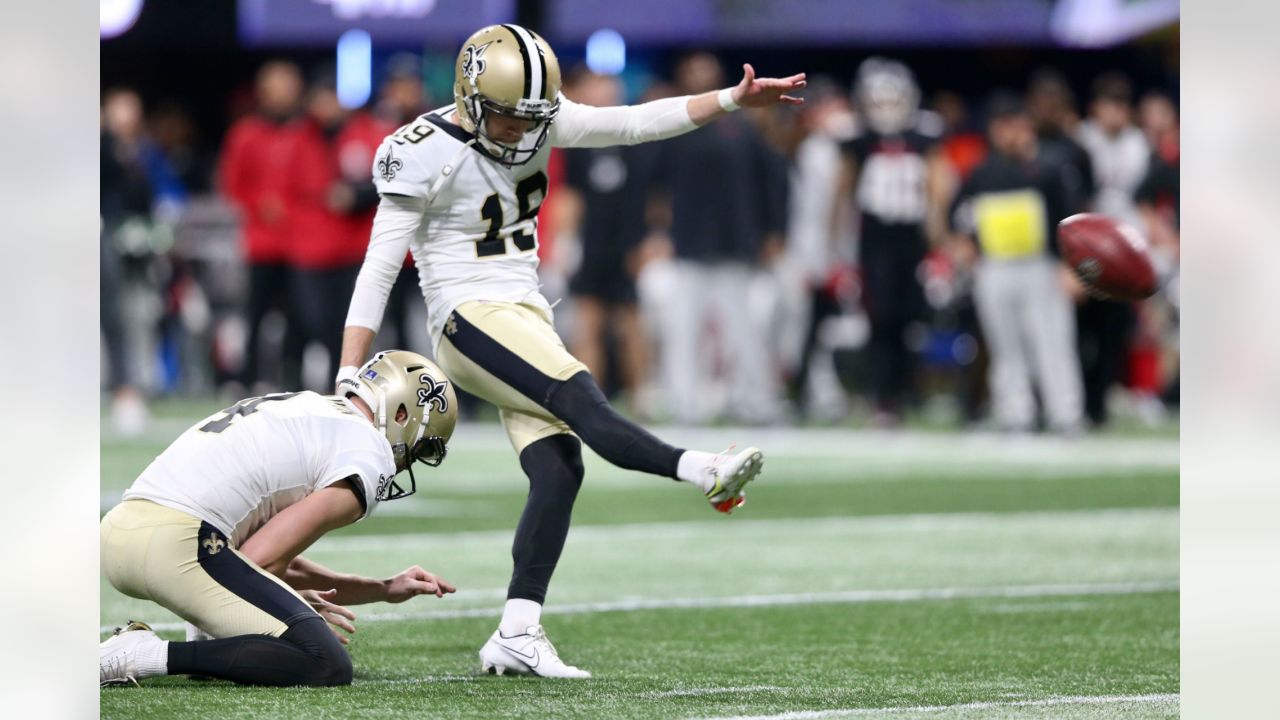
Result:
[[253, 170], [963, 144], [331, 202]]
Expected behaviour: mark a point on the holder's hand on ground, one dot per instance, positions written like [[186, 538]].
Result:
[[337, 616], [761, 92], [416, 581]]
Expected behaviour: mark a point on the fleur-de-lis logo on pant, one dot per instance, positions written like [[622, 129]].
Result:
[[389, 165], [213, 544]]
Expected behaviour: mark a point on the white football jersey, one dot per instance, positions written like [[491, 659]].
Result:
[[478, 239], [478, 235], [1120, 163], [239, 467]]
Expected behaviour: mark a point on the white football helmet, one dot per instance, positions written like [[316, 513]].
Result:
[[886, 95]]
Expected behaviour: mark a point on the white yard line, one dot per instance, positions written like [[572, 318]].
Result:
[[916, 446], [1171, 698], [671, 531], [862, 470], [751, 601]]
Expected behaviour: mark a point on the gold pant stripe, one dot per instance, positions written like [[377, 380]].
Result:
[[150, 552], [527, 333]]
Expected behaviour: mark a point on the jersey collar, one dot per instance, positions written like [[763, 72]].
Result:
[[454, 131]]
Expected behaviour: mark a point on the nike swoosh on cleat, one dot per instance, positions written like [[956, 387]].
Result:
[[534, 657]]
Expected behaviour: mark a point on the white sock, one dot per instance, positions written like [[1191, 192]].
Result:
[[518, 615], [152, 659], [692, 468]]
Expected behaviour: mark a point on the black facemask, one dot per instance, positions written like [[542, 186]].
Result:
[[430, 451]]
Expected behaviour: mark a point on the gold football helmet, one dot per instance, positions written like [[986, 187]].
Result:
[[511, 71], [413, 404]]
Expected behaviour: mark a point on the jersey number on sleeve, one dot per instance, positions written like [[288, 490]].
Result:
[[414, 133], [244, 407], [492, 243]]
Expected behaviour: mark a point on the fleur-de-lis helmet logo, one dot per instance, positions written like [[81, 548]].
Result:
[[473, 62], [389, 165], [433, 394], [213, 544]]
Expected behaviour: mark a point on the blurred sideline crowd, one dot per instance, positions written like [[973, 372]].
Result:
[[876, 252]]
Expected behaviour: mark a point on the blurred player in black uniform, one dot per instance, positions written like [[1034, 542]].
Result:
[[608, 187], [1051, 105], [896, 172], [728, 217], [1120, 157]]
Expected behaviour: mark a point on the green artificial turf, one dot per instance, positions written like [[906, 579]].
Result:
[[940, 581]]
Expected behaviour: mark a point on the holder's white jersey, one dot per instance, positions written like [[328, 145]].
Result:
[[471, 222], [239, 467]]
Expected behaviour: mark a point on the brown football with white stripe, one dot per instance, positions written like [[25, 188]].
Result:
[[1110, 257]]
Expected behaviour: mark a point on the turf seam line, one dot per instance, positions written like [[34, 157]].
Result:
[[750, 601], [991, 704], [672, 530]]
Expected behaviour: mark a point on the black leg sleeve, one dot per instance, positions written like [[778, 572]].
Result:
[[554, 467], [579, 402], [307, 653]]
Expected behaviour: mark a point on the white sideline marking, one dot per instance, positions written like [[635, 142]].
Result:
[[825, 442], [916, 522], [822, 598], [1046, 702]]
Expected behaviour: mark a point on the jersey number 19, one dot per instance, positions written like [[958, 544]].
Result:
[[493, 243]]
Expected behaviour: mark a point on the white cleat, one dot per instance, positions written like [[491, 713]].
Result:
[[731, 475], [528, 654], [118, 654]]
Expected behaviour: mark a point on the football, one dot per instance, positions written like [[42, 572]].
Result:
[[1108, 256]]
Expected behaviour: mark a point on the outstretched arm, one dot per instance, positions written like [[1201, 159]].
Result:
[[304, 574], [751, 91], [588, 126]]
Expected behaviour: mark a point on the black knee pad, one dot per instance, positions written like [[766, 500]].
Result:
[[330, 664]]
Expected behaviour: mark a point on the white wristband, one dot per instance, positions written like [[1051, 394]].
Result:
[[726, 100], [346, 372]]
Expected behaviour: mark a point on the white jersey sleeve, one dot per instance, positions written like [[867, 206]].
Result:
[[394, 227], [399, 166], [580, 125], [362, 456]]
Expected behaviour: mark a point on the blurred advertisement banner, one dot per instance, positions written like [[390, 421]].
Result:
[[408, 22], [905, 22]]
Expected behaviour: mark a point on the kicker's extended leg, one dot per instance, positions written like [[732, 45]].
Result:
[[579, 402]]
